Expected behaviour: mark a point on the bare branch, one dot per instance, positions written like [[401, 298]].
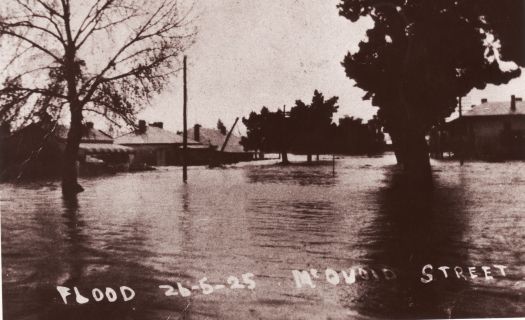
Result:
[[94, 20], [131, 73], [138, 37], [41, 91], [52, 11], [30, 25], [32, 42], [103, 27], [33, 14]]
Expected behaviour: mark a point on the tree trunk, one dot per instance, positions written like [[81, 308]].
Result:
[[308, 158], [317, 158], [397, 145], [70, 174], [284, 157], [398, 154], [416, 160], [70, 184]]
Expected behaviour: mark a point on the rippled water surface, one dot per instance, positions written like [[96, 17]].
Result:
[[143, 230]]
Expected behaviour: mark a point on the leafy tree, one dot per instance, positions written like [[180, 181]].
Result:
[[100, 56], [267, 132], [306, 130], [254, 137], [352, 136], [421, 55], [311, 124], [276, 133], [221, 127]]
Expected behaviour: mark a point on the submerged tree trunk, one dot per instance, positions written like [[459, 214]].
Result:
[[398, 153], [284, 157], [70, 174], [72, 73], [397, 145], [416, 160], [412, 153]]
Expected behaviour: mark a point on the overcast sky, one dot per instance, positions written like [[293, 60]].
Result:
[[252, 53]]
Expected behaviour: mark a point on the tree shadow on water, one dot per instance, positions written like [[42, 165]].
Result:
[[415, 227], [89, 267]]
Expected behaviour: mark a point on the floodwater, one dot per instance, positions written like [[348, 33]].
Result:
[[256, 223]]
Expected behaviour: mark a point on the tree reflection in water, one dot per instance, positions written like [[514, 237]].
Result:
[[416, 227]]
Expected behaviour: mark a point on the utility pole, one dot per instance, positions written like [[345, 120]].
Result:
[[185, 129], [463, 133], [460, 107]]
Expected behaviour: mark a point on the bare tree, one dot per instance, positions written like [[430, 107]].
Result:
[[107, 57]]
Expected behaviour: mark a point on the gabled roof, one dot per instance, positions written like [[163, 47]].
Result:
[[496, 109], [215, 138], [152, 135], [90, 135]]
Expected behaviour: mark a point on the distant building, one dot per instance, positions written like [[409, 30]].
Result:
[[37, 151], [214, 139], [154, 146], [489, 131]]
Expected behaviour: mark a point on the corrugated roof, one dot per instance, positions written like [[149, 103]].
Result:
[[88, 134], [496, 109], [215, 138], [153, 135]]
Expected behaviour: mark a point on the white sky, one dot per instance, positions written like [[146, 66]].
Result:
[[252, 53]]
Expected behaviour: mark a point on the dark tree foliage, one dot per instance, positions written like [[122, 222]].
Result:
[[221, 127], [254, 137], [354, 137], [276, 130], [267, 132], [306, 130], [311, 124], [422, 55]]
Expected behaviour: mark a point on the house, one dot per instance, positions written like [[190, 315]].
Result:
[[37, 151], [489, 131], [155, 146], [215, 140]]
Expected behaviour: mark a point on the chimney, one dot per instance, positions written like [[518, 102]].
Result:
[[484, 100], [513, 103], [142, 127], [89, 125], [157, 124], [197, 132]]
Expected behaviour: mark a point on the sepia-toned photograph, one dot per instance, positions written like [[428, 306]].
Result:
[[262, 159]]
